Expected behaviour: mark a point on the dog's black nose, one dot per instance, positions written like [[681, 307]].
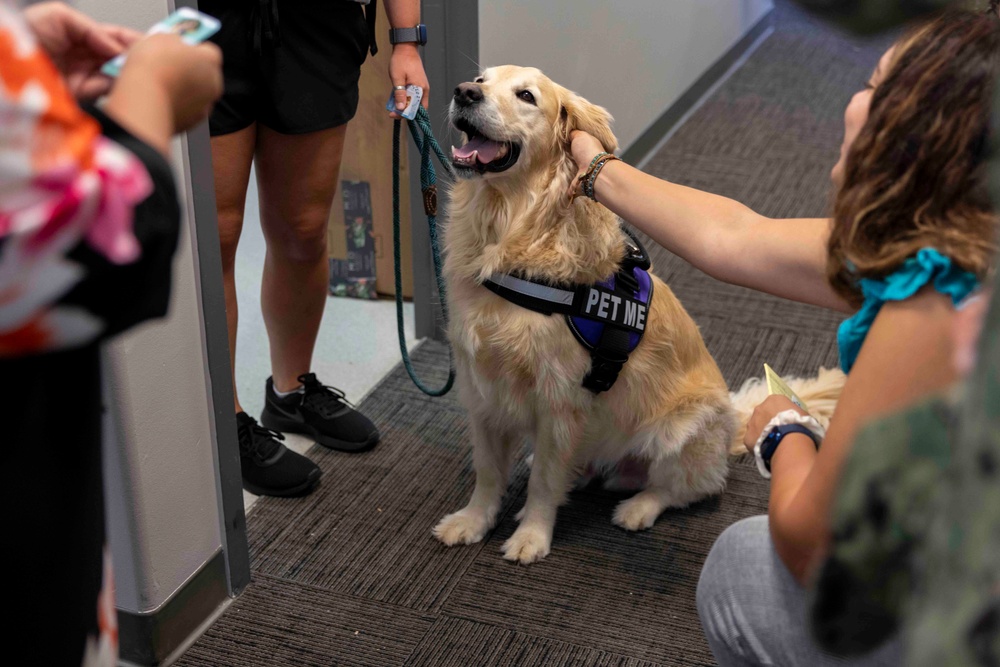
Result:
[[468, 94]]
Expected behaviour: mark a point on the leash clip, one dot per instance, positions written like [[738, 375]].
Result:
[[431, 200]]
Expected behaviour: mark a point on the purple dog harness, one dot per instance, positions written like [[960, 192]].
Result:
[[608, 318]]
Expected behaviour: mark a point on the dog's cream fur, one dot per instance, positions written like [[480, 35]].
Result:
[[820, 394], [520, 373]]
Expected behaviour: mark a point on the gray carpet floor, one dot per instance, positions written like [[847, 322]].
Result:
[[351, 576]]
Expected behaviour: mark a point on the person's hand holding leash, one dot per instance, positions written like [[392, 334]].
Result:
[[78, 45], [405, 68]]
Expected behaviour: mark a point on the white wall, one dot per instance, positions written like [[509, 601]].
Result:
[[636, 58], [138, 14], [161, 484], [163, 507]]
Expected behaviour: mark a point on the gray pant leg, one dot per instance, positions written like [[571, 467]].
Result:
[[755, 613]]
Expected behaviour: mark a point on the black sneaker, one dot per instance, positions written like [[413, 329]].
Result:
[[269, 468], [320, 412]]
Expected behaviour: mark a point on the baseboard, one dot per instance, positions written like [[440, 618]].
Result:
[[157, 637], [647, 142]]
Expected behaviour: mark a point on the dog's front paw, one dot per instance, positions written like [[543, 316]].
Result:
[[638, 512], [528, 544], [462, 527]]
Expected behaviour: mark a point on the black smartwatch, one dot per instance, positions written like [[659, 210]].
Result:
[[417, 34], [773, 439]]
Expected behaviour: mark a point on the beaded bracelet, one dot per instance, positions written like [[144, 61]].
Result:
[[585, 180], [590, 178], [594, 161]]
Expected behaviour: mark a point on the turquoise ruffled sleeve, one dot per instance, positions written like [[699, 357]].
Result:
[[928, 266]]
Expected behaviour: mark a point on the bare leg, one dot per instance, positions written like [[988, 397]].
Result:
[[492, 452], [297, 176], [232, 155]]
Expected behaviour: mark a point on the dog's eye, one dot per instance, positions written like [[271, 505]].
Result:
[[478, 80], [526, 96]]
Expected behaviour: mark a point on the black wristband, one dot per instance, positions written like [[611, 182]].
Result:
[[777, 434]]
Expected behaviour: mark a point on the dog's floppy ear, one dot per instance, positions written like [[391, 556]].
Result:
[[577, 113]]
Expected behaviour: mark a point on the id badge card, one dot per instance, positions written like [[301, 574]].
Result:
[[190, 25], [413, 96]]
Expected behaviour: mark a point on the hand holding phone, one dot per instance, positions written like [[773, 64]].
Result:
[[193, 27]]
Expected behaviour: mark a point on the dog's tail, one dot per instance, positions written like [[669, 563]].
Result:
[[820, 393]]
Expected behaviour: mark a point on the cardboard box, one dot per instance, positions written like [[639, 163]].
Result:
[[368, 158], [355, 275]]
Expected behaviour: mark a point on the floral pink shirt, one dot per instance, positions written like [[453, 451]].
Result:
[[61, 184]]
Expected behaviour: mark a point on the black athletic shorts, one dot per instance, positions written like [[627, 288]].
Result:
[[301, 77]]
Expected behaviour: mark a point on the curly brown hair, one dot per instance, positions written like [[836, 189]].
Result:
[[915, 176]]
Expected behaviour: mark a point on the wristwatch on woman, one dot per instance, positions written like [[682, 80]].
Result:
[[774, 438], [417, 34], [788, 421]]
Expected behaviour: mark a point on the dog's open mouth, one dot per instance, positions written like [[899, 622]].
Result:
[[482, 154]]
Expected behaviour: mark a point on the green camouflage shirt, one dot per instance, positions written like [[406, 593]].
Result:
[[916, 529]]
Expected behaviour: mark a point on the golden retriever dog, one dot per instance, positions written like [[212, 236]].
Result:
[[520, 373]]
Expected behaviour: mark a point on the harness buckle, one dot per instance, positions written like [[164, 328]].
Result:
[[605, 366], [431, 200], [635, 253], [602, 376]]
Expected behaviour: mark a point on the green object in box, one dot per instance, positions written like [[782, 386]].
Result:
[[355, 276]]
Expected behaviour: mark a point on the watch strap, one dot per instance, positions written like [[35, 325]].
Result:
[[777, 434], [817, 431], [417, 34]]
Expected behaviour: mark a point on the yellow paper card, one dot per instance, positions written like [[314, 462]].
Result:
[[775, 385]]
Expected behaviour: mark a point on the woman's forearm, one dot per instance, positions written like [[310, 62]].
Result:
[[688, 222], [143, 108], [722, 237], [797, 526]]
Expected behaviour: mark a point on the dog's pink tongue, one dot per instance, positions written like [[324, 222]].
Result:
[[487, 149]]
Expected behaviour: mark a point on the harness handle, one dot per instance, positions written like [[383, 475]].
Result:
[[420, 130]]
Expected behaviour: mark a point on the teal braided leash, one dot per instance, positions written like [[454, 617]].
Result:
[[420, 130]]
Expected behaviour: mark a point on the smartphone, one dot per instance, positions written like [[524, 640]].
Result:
[[192, 26]]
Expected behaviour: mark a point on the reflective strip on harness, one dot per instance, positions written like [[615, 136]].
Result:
[[553, 295]]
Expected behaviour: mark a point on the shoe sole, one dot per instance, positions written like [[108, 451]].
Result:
[[302, 489], [283, 425]]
